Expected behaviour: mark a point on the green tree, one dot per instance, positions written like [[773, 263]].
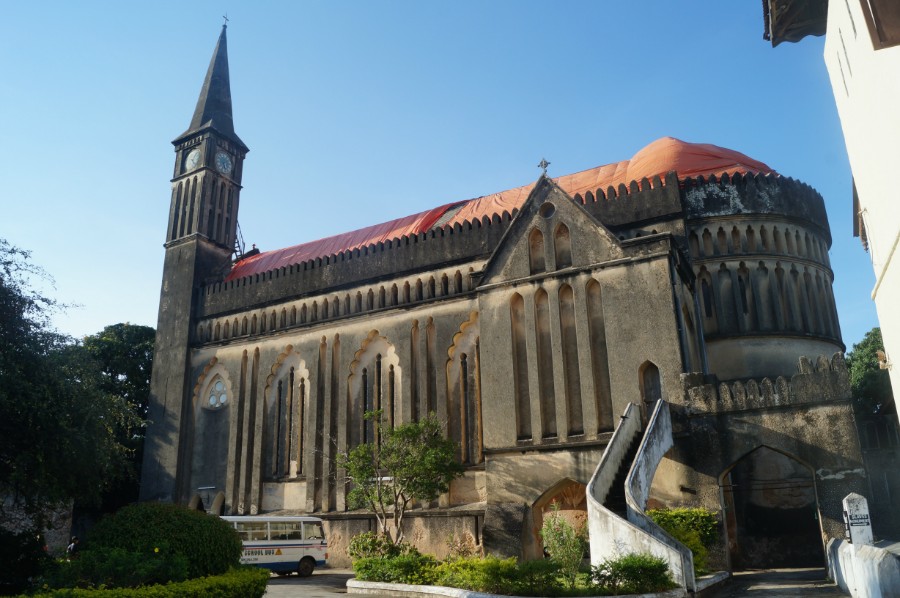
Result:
[[123, 357], [870, 384], [124, 353], [60, 429], [406, 463]]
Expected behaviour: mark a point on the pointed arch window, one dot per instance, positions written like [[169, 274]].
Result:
[[562, 244], [651, 386], [536, 252]]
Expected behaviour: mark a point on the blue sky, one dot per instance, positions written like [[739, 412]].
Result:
[[359, 112]]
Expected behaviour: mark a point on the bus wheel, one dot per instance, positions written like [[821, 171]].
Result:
[[306, 566]]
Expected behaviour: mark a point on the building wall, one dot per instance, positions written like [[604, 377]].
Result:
[[867, 92], [528, 335]]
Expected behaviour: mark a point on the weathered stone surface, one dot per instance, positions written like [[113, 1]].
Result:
[[527, 332], [503, 528]]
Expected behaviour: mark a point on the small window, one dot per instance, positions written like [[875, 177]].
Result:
[[285, 530], [312, 530], [252, 531]]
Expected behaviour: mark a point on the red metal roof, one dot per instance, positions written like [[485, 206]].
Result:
[[656, 159]]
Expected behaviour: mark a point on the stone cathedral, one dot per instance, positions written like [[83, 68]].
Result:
[[527, 320]]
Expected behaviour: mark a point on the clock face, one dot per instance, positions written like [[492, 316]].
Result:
[[224, 163], [192, 160]]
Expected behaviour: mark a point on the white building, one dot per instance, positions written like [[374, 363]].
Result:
[[862, 54]]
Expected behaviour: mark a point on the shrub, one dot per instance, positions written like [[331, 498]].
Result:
[[411, 568], [634, 573], [564, 543], [240, 582], [537, 578], [696, 528], [489, 574], [23, 557], [119, 568], [702, 520], [210, 544], [369, 545]]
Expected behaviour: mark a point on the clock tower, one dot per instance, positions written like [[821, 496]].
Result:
[[200, 240]]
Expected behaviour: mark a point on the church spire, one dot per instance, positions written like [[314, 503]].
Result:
[[214, 104]]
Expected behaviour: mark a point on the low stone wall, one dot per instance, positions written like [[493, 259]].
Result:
[[864, 571], [428, 530]]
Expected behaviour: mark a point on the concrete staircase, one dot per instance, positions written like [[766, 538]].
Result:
[[618, 491]]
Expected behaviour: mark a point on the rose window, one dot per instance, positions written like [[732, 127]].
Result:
[[217, 395]]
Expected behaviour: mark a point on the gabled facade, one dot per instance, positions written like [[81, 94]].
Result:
[[527, 320]]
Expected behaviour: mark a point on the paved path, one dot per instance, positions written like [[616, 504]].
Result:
[[795, 583], [324, 583]]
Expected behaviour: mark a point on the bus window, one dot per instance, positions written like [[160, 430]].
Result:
[[252, 531], [312, 530], [285, 530]]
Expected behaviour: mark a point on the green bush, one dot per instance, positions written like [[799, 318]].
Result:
[[696, 528], [210, 544], [702, 520], [634, 573], [22, 558], [537, 578], [119, 568], [240, 582], [411, 568], [564, 543], [489, 574], [371, 545]]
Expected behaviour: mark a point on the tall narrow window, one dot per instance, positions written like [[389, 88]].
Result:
[[563, 246], [464, 408], [651, 386], [366, 406], [414, 371], [520, 368], [599, 358], [706, 292], [276, 461], [570, 360], [301, 428], [377, 393], [289, 442], [536, 252], [390, 397], [545, 364], [430, 361], [176, 214]]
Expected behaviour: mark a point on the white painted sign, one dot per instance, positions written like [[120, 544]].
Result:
[[856, 520]]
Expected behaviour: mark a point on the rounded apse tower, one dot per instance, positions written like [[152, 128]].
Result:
[[759, 246]]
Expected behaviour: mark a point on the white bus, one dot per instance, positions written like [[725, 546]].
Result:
[[282, 544]]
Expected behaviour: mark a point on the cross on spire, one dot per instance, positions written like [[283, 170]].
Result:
[[225, 23], [543, 165]]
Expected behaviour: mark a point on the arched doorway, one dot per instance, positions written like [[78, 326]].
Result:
[[771, 512], [572, 501]]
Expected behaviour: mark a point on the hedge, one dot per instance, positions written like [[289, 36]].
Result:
[[240, 582], [209, 543]]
